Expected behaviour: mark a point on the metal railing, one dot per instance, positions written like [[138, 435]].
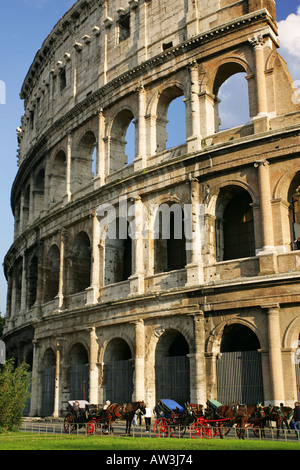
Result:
[[191, 432]]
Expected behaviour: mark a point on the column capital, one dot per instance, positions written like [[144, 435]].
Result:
[[256, 41], [260, 163], [270, 306]]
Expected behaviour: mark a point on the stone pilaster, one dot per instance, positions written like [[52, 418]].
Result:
[[275, 358]]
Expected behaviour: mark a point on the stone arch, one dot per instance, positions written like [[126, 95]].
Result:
[[234, 223], [287, 190], [291, 335], [214, 340], [82, 160], [164, 98], [117, 131], [283, 185], [79, 263], [32, 281], [51, 273], [236, 346], [57, 185], [172, 366], [117, 252], [118, 370], [48, 381], [78, 360], [220, 72], [169, 236], [26, 204], [211, 198], [39, 192]]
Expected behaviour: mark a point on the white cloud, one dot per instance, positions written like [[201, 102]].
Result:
[[289, 36], [289, 33]]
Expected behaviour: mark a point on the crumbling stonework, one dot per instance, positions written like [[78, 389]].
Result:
[[126, 318]]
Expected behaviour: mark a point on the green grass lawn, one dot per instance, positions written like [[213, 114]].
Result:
[[23, 441]]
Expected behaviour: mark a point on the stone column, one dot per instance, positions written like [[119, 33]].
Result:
[[24, 284], [199, 360], [275, 359], [139, 385], [68, 195], [265, 206], [257, 43], [137, 278], [193, 222], [140, 160], [34, 382], [57, 390], [100, 177], [261, 121], [194, 140], [93, 290], [60, 294], [93, 367]]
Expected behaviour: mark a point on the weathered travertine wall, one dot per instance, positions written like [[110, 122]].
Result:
[[77, 298]]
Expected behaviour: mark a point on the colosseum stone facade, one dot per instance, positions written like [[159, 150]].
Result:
[[104, 302]]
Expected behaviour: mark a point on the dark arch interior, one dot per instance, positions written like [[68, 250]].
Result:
[[238, 338]]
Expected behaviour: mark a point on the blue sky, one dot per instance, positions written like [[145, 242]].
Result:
[[24, 24]]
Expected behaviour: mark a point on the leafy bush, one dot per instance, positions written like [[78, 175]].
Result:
[[14, 386]]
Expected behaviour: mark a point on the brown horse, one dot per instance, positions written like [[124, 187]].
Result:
[[111, 414], [239, 415], [278, 414], [125, 411]]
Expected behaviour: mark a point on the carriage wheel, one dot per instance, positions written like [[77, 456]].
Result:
[[69, 423], [161, 427], [208, 432], [177, 431], [91, 427], [196, 431]]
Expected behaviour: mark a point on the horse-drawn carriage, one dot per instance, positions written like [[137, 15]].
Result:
[[82, 414], [208, 423], [173, 420]]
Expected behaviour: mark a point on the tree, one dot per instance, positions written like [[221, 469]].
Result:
[[14, 386]]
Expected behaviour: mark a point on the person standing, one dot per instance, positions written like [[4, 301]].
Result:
[[147, 417], [296, 419]]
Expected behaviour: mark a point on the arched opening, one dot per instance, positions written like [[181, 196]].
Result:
[[130, 143], [170, 243], [80, 264], [51, 274], [234, 102], [48, 383], [39, 193], [122, 129], [118, 372], [58, 177], [172, 367], [79, 376], [26, 206], [18, 295], [32, 282], [82, 162], [170, 121], [239, 368], [234, 224], [231, 97], [176, 127], [118, 254], [294, 214]]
